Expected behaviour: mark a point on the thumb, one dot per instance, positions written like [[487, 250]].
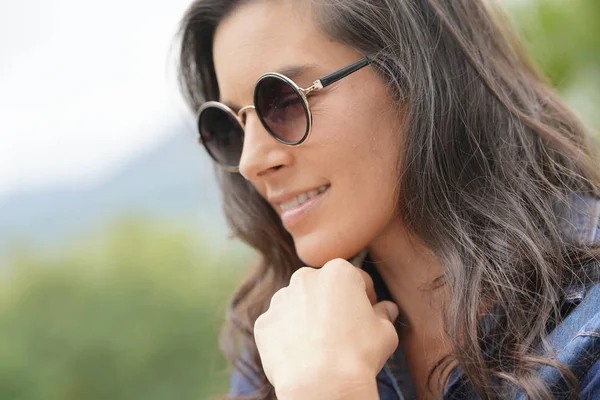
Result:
[[369, 285], [386, 310]]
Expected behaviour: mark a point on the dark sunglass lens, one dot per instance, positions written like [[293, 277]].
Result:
[[281, 109], [222, 135]]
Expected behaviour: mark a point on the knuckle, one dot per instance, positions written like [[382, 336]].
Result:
[[389, 335], [342, 269], [336, 265], [277, 298], [300, 275], [259, 323]]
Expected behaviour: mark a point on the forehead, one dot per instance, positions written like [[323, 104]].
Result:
[[264, 36]]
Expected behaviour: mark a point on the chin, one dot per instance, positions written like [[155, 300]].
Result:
[[312, 260], [314, 251]]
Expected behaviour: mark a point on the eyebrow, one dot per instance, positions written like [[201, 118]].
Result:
[[293, 71], [290, 71]]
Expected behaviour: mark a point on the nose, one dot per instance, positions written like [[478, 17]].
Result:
[[262, 154]]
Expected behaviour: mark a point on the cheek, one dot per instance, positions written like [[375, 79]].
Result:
[[359, 208], [360, 158], [359, 119], [365, 143]]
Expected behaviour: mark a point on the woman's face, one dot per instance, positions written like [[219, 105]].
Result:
[[353, 149]]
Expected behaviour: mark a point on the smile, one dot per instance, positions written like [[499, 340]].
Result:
[[302, 198], [294, 210]]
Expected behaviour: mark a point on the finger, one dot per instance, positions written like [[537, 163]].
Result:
[[278, 298], [369, 285], [259, 324], [386, 310], [301, 275], [339, 266]]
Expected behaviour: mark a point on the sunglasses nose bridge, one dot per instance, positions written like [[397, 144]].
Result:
[[241, 113]]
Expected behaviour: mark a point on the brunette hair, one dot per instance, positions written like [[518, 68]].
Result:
[[490, 150]]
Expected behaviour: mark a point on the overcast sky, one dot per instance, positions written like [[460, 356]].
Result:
[[83, 86]]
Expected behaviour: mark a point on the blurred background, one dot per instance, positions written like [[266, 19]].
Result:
[[115, 266]]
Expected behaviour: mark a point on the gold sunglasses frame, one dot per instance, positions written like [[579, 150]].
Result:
[[303, 93]]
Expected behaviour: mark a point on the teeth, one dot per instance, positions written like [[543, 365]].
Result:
[[301, 198]]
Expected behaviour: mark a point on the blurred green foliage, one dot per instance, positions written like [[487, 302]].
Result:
[[133, 312], [563, 38]]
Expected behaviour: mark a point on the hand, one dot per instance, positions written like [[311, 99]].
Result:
[[323, 337]]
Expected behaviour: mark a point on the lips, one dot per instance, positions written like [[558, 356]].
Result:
[[302, 198], [293, 215], [279, 197]]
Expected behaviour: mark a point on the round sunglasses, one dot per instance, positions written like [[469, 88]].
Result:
[[281, 106]]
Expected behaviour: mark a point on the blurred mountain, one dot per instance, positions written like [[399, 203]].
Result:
[[173, 182]]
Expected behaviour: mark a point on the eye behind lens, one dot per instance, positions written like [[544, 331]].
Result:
[[222, 135], [281, 109]]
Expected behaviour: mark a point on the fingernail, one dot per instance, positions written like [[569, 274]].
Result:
[[392, 310]]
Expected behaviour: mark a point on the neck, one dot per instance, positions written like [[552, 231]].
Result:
[[409, 270]]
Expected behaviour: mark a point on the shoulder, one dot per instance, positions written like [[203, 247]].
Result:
[[576, 340], [582, 321], [241, 384], [576, 344], [243, 381], [590, 384]]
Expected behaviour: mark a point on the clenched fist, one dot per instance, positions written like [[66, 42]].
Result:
[[323, 336]]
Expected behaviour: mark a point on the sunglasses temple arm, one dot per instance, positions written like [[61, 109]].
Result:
[[342, 73]]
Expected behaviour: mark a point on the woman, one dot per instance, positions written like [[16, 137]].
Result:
[[413, 139]]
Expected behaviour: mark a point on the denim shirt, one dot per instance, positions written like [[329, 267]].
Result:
[[576, 340]]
